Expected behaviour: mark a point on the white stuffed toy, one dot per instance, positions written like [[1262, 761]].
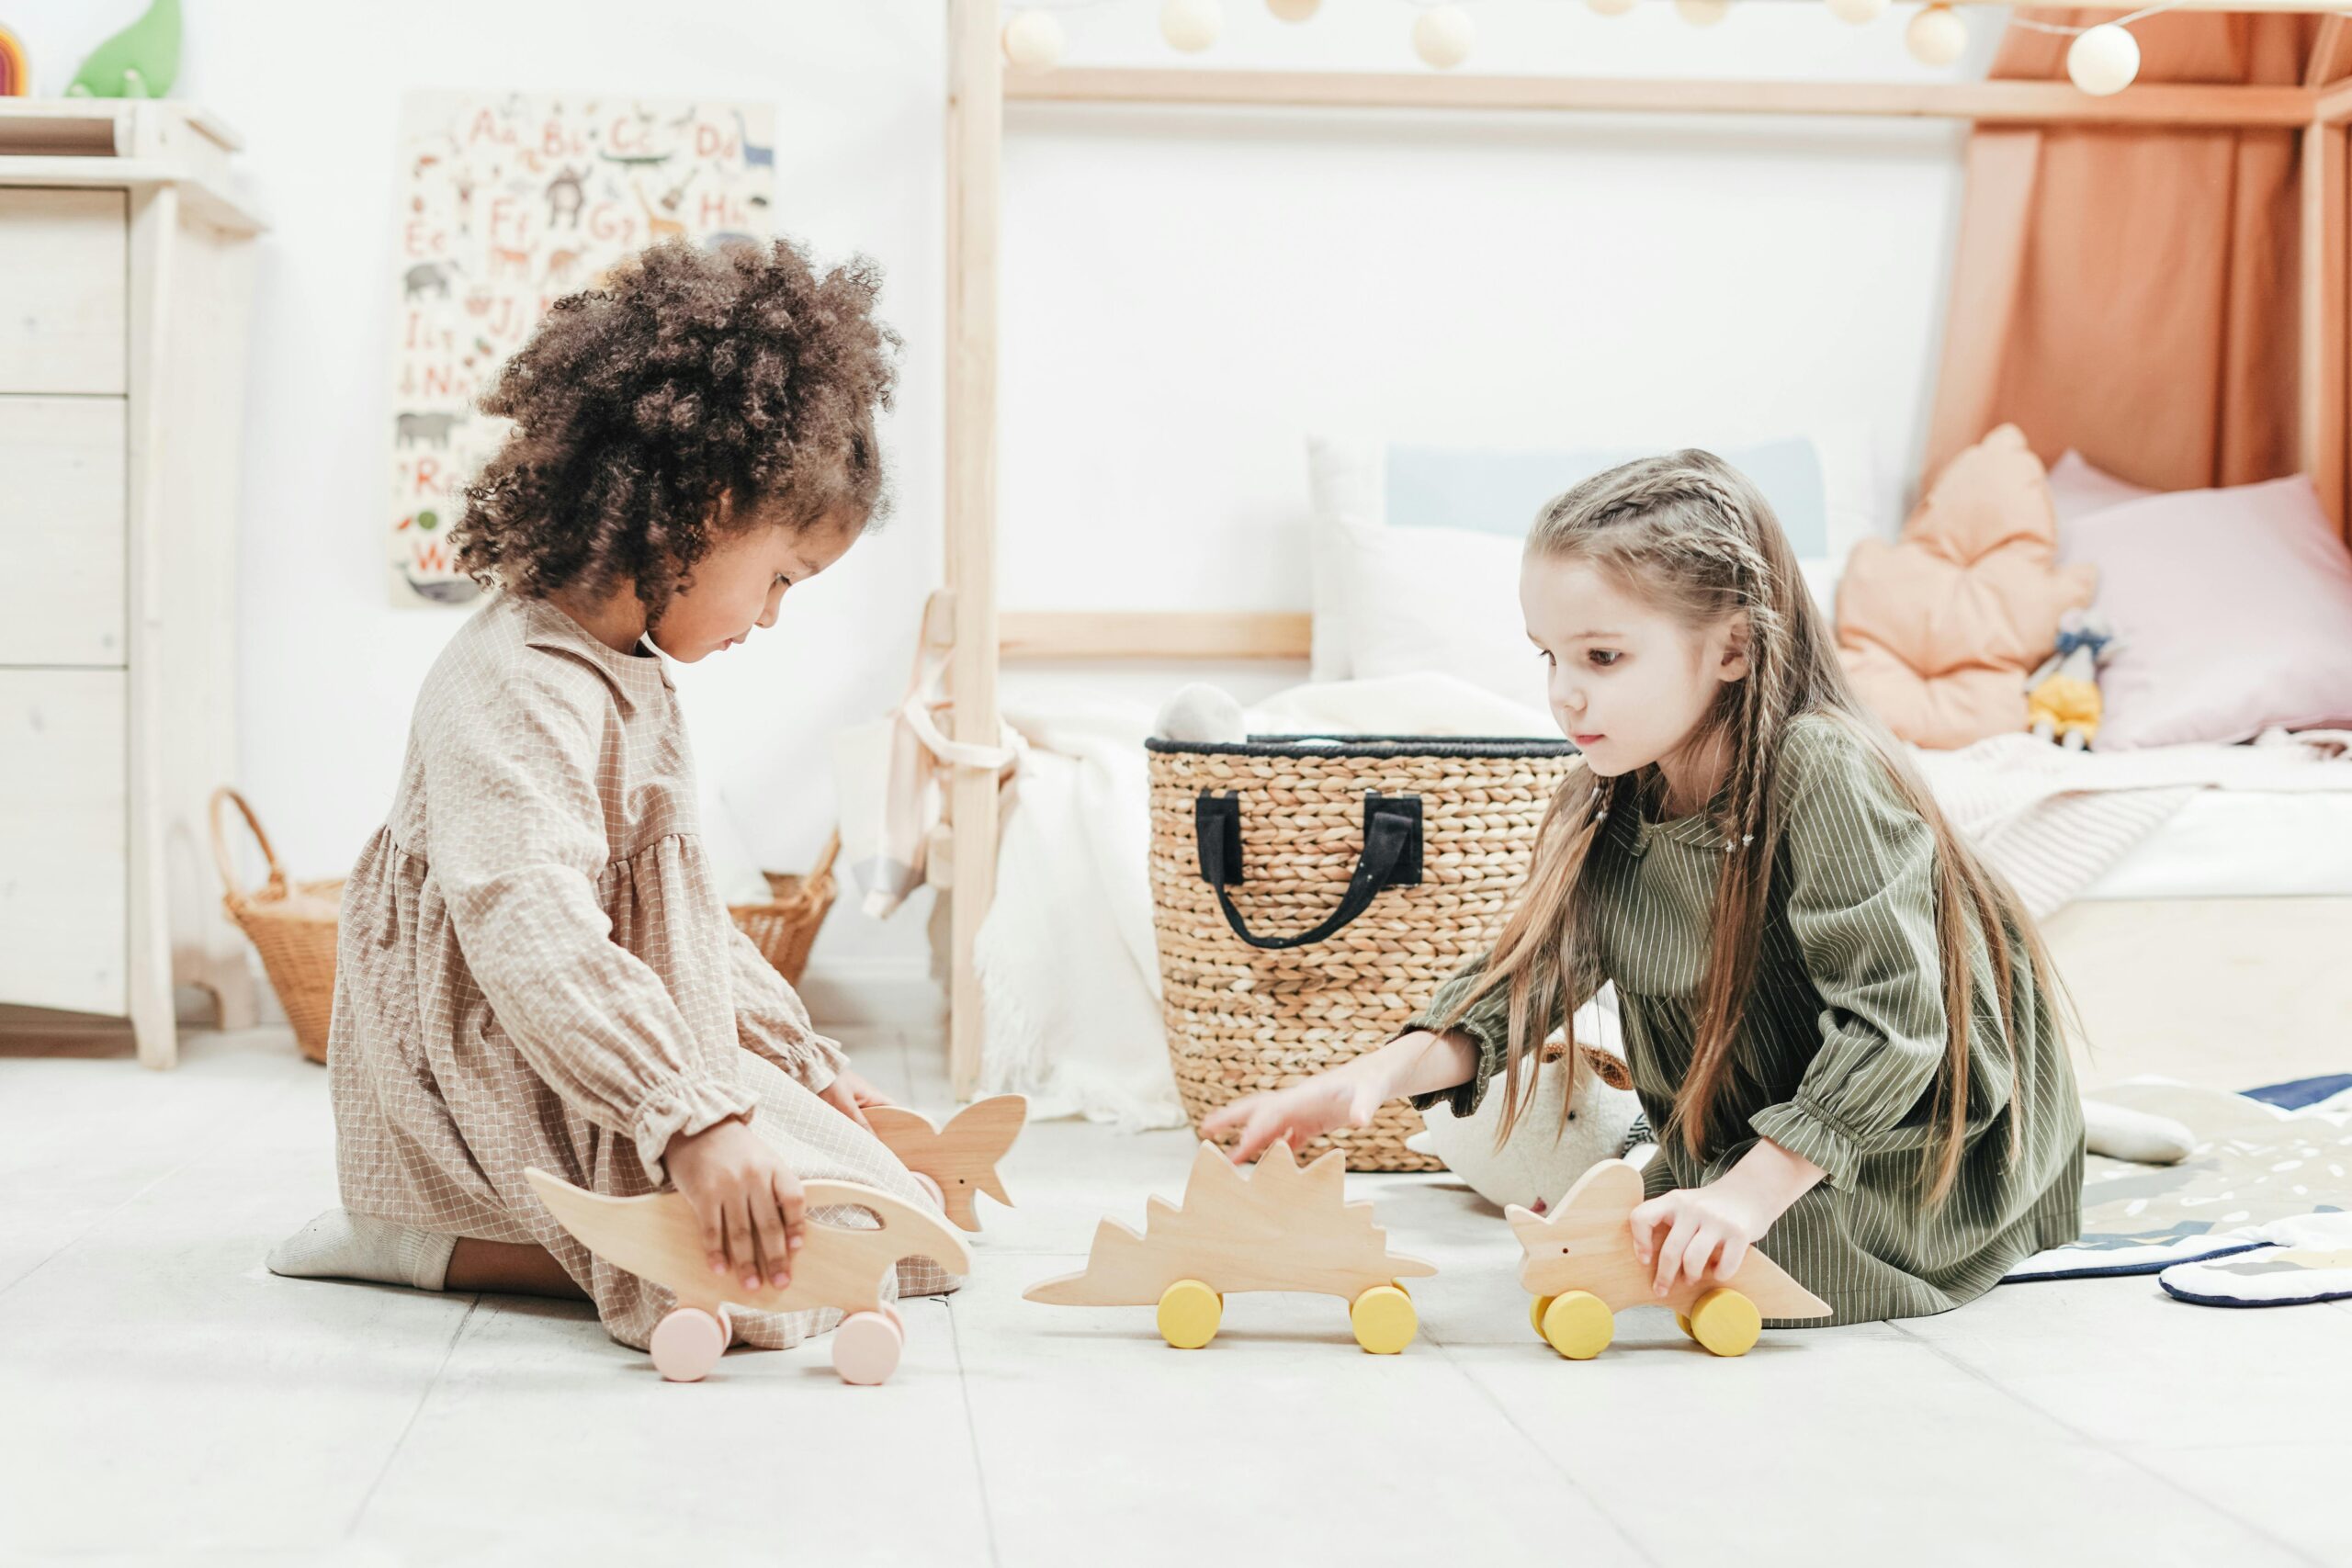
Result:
[[1200, 714], [1542, 1159]]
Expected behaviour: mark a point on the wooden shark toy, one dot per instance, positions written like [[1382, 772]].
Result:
[[1275, 1227], [957, 1163], [1582, 1268], [657, 1239]]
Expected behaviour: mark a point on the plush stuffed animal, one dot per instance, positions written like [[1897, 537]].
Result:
[[1540, 1160], [142, 60], [1200, 714], [2062, 699]]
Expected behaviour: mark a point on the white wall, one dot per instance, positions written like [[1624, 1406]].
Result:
[[1185, 296]]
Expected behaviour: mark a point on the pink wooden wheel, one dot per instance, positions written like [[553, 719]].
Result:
[[928, 1185], [688, 1342], [866, 1347]]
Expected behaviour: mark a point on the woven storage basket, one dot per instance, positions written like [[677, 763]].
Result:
[[1370, 870], [785, 928], [291, 924]]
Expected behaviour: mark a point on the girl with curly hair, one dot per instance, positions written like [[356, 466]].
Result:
[[535, 967]]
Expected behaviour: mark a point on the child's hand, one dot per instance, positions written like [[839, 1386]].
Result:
[[1302, 1112], [1688, 1230], [748, 1199], [850, 1095]]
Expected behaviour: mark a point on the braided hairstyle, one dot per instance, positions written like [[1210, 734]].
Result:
[[692, 394], [1689, 534]]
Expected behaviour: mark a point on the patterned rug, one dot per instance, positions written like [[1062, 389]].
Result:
[[2277, 1154]]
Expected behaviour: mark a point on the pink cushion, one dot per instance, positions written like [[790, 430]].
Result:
[[2231, 610], [2077, 489]]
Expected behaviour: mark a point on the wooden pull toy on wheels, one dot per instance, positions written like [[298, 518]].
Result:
[[1276, 1228], [1582, 1268], [957, 1164], [657, 1239]]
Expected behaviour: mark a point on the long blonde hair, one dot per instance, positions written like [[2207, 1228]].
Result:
[[1689, 534]]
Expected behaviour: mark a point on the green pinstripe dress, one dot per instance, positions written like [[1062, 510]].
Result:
[[1839, 1050]]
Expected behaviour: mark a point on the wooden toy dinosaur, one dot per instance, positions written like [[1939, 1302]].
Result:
[[958, 1163], [1582, 1268], [1278, 1228], [657, 1239]]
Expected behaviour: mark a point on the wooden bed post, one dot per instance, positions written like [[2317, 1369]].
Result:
[[975, 135], [2321, 400]]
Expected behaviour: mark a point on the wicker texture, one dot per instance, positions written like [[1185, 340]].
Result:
[[785, 928], [1240, 1019], [291, 925]]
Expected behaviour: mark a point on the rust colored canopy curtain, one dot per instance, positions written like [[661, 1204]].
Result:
[[2132, 293]]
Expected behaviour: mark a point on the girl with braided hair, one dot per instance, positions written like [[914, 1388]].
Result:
[[1843, 1023]]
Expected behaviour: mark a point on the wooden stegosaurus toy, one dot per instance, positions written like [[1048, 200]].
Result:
[[1582, 1270], [1277, 1227]]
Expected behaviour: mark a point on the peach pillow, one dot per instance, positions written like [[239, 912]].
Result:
[[1938, 629], [2232, 609]]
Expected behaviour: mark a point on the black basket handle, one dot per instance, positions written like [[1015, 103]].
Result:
[[1391, 858]]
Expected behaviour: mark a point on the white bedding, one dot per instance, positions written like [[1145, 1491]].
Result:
[[1066, 959]]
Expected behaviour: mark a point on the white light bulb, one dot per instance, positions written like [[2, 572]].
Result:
[[1191, 24], [1936, 36], [1703, 13], [2103, 59], [1032, 40], [1860, 13], [1442, 36], [1293, 10], [1610, 7]]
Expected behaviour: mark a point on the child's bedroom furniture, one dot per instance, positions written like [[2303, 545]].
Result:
[[657, 1237], [2106, 967], [1275, 1226], [126, 259], [1581, 1269]]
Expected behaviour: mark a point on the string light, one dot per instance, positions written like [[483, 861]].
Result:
[[2102, 59]]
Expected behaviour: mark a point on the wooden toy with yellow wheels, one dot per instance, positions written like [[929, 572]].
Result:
[[1582, 1268], [1275, 1227]]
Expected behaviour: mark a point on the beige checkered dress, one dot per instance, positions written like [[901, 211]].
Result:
[[535, 968]]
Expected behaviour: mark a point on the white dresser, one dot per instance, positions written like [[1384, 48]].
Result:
[[125, 280]]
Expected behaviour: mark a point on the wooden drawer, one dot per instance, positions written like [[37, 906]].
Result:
[[61, 531], [65, 845], [64, 316]]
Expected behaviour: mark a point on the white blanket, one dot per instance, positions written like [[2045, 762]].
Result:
[[1069, 971]]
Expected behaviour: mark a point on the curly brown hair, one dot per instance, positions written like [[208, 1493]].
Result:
[[694, 393]]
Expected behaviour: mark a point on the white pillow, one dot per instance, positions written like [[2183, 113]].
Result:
[[1348, 484], [1436, 599]]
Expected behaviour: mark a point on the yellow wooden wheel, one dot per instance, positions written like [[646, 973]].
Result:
[[1385, 1319], [1536, 1307], [1189, 1312], [1682, 1322], [1725, 1322], [1579, 1324]]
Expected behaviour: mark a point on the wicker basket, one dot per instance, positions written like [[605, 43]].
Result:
[[785, 928], [1385, 864], [290, 924]]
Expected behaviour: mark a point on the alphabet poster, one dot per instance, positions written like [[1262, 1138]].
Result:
[[507, 203]]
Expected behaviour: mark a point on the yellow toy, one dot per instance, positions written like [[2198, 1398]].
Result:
[[1276, 1228], [1582, 1272], [657, 1239], [2062, 698]]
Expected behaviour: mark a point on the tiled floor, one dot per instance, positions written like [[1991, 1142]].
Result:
[[163, 1399]]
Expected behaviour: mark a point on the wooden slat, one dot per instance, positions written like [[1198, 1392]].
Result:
[[1172, 634], [2335, 106], [2322, 414], [975, 131], [2326, 61], [2029, 103]]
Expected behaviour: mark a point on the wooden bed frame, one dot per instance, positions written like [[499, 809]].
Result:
[[980, 85]]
